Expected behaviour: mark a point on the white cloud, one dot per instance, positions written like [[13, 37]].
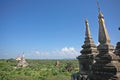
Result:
[[64, 53], [68, 50], [37, 52]]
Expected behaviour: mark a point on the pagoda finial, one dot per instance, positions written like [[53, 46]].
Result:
[[99, 11], [103, 34], [98, 6], [87, 29], [23, 55]]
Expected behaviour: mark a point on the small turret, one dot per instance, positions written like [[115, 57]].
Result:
[[88, 52]]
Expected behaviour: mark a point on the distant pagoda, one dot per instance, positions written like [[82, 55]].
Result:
[[21, 61], [107, 66]]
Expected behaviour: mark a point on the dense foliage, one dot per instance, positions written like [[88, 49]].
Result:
[[37, 70]]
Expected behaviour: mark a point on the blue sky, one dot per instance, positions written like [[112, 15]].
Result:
[[52, 28]]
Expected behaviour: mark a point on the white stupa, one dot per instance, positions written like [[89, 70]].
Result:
[[21, 61]]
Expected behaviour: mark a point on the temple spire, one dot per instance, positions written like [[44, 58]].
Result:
[[98, 6], [103, 34], [88, 53], [107, 65], [23, 55], [87, 29]]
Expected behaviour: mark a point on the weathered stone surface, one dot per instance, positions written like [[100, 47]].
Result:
[[117, 49]]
